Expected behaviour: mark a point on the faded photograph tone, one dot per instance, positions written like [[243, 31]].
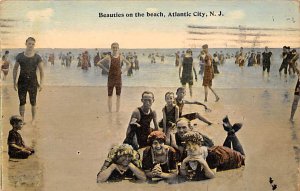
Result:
[[150, 95]]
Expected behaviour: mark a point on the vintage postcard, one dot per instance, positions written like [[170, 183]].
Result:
[[150, 95]]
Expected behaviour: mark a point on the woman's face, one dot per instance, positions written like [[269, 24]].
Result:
[[124, 160], [157, 146], [193, 149]]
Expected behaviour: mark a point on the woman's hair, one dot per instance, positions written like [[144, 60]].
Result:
[[156, 135], [194, 137], [120, 150]]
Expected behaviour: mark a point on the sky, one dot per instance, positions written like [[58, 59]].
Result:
[[76, 24]]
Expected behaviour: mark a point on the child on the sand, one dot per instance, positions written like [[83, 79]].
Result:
[[16, 145]]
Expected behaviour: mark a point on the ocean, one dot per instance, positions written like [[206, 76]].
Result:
[[160, 74]]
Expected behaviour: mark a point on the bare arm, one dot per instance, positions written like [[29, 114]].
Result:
[[173, 142], [15, 72], [176, 113], [195, 102], [24, 149], [127, 64], [101, 62], [194, 69], [155, 121], [137, 172], [207, 171], [164, 121], [103, 175], [169, 175], [157, 171], [149, 174], [180, 66], [40, 66], [135, 116]]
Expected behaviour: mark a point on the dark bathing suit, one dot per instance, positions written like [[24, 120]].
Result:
[[266, 60], [189, 116], [114, 76], [141, 132], [187, 71], [27, 81]]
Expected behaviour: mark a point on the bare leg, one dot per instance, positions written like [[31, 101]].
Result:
[[205, 93], [203, 119], [191, 90], [33, 112], [109, 103], [294, 106], [22, 111], [118, 103], [217, 97]]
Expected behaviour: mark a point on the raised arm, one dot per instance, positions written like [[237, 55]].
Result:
[[15, 72]]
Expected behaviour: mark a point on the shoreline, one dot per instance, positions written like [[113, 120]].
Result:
[[74, 132]]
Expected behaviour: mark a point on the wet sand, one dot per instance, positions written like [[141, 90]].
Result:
[[74, 132]]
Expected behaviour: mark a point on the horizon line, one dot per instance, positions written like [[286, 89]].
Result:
[[153, 48]]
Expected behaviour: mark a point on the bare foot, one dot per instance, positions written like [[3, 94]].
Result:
[[33, 122], [217, 99]]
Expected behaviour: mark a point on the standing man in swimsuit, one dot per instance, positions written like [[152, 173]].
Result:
[[114, 73], [266, 60], [28, 61], [188, 67]]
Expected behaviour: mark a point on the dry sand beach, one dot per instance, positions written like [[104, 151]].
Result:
[[74, 132]]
